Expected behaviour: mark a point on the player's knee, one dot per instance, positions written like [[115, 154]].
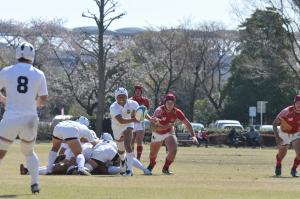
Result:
[[27, 148], [152, 156], [4, 145], [121, 146]]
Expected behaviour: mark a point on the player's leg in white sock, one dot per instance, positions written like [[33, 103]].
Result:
[[80, 161], [129, 159], [32, 162], [43, 170], [138, 164], [51, 158]]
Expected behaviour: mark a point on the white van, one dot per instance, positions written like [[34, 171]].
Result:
[[220, 123], [196, 126]]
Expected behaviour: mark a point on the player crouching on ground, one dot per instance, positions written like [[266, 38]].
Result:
[[70, 132], [289, 121], [101, 159]]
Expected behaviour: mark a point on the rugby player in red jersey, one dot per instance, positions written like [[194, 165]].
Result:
[[164, 131], [289, 121], [139, 127]]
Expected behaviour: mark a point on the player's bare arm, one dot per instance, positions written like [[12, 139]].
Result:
[[2, 99], [157, 126], [276, 123], [40, 101], [189, 127], [122, 120]]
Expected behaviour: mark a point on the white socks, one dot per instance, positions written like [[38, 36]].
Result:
[[51, 158], [32, 162], [89, 167], [43, 170], [129, 158], [80, 161], [138, 164]]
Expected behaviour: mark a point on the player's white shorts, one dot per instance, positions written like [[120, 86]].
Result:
[[138, 126], [25, 127], [288, 138], [104, 152], [118, 131], [65, 132], [161, 137]]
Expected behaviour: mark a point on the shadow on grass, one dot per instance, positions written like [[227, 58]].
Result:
[[14, 196], [274, 176]]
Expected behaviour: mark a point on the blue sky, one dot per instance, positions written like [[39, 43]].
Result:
[[140, 13]]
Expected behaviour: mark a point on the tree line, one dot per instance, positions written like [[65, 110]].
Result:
[[215, 73]]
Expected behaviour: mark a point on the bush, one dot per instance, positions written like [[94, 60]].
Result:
[[44, 131]]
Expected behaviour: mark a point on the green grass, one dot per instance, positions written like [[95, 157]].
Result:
[[202, 173]]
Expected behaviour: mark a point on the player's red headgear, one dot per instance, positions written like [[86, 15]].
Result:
[[170, 96], [297, 98], [138, 86]]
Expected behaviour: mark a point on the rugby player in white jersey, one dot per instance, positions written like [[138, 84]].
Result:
[[70, 132], [122, 122], [25, 89]]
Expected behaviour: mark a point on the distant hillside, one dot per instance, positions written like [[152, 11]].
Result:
[[130, 30], [123, 31]]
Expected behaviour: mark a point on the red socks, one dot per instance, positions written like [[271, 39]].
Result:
[[139, 150], [278, 161], [167, 164], [296, 163]]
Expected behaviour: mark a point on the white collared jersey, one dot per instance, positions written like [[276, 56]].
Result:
[[22, 83], [125, 112]]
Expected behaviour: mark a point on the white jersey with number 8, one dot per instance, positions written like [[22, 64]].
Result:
[[23, 83]]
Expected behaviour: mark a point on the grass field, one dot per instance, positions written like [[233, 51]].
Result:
[[202, 173]]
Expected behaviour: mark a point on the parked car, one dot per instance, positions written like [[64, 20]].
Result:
[[266, 128], [183, 136], [237, 127], [219, 123]]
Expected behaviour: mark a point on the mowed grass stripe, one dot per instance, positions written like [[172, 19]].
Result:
[[206, 173]]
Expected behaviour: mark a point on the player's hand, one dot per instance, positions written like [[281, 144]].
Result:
[[135, 120], [154, 120], [278, 140], [195, 141]]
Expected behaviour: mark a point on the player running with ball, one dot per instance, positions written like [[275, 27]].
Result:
[[122, 112]]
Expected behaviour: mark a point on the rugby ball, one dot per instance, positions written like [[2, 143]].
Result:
[[140, 113]]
